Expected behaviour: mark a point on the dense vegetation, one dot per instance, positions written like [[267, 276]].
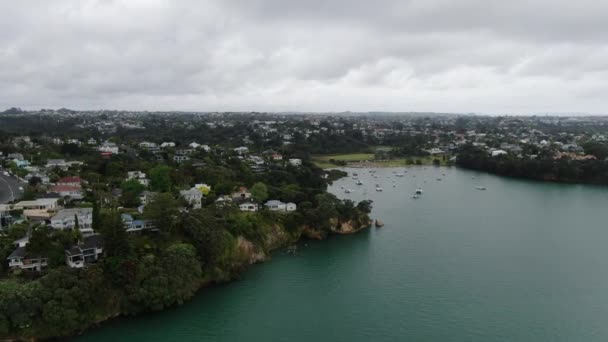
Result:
[[544, 167]]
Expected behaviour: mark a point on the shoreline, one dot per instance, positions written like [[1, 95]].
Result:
[[251, 257]]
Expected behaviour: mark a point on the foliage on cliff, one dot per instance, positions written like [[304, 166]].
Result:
[[154, 271]]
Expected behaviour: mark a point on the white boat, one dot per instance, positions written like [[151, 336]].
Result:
[[415, 196], [379, 189], [480, 187], [348, 191], [359, 182], [419, 191], [355, 177], [400, 175]]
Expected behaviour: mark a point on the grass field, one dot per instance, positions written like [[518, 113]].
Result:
[[367, 160], [346, 157]]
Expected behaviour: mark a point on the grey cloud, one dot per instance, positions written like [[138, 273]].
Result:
[[428, 55]]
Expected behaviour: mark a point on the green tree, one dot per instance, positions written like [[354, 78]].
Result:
[[130, 193], [163, 210], [115, 236], [160, 178], [259, 192]]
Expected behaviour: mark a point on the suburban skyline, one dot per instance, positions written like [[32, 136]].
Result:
[[473, 56]]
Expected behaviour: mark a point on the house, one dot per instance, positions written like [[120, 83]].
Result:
[[39, 204], [73, 192], [57, 163], [108, 147], [241, 150], [295, 161], [139, 176], [275, 205], [194, 197], [21, 163], [276, 156], [136, 225], [146, 196], [180, 159], [497, 153], [194, 145], [44, 179], [223, 201], [241, 195], [20, 258], [66, 219], [248, 206], [88, 251], [167, 144], [70, 181]]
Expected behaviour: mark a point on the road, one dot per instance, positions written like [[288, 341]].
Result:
[[9, 188]]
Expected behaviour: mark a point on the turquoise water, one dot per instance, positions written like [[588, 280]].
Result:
[[521, 261]]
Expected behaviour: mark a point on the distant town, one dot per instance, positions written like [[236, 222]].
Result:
[[207, 193]]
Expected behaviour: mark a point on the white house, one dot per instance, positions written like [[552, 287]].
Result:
[[241, 150], [108, 147], [88, 251], [39, 204], [66, 219], [193, 196], [295, 161], [167, 144], [275, 205], [248, 206], [139, 176], [496, 153], [57, 163]]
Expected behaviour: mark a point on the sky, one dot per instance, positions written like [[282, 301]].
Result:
[[461, 56]]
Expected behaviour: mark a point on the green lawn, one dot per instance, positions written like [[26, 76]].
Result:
[[346, 157], [357, 159]]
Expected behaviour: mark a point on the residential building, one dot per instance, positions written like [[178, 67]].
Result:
[[248, 206], [108, 147], [73, 192], [146, 196], [66, 219], [39, 204], [194, 197], [139, 176], [295, 161], [89, 250], [70, 181], [275, 205], [20, 258], [241, 195]]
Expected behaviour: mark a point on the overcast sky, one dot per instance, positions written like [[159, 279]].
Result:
[[484, 56]]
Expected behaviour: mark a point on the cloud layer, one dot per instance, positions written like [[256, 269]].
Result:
[[517, 56]]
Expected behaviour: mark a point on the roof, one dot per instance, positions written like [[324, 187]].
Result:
[[74, 179], [126, 217], [65, 188], [40, 201], [65, 213], [19, 252], [89, 242], [273, 202], [93, 241]]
